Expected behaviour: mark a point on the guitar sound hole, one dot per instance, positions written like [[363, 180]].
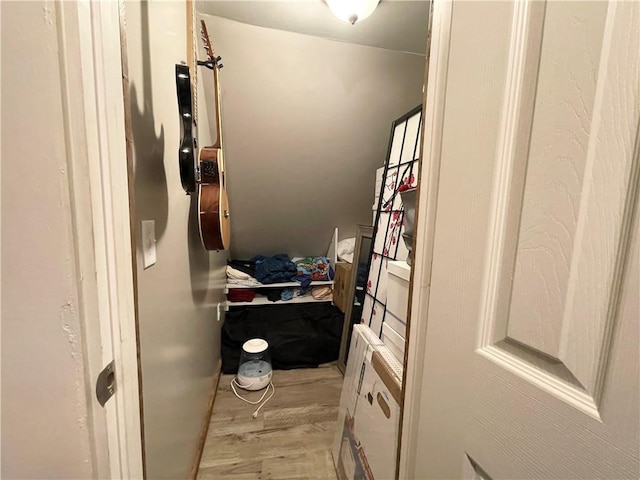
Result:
[[209, 171]]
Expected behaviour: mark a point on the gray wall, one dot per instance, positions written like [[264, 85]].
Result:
[[46, 429], [179, 332], [306, 123]]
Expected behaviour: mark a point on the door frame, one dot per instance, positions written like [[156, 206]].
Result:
[[90, 58], [433, 118], [91, 63]]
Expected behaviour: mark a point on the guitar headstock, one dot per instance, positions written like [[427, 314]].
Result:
[[214, 60]]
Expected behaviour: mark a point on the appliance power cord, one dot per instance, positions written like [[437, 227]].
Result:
[[234, 383]]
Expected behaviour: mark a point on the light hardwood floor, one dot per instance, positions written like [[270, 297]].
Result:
[[290, 439]]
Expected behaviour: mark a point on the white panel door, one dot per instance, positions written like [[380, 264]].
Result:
[[531, 359]]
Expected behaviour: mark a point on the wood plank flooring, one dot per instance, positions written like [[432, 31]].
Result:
[[290, 439]]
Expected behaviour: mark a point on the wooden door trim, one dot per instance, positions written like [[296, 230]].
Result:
[[435, 82], [128, 126], [94, 116], [195, 468]]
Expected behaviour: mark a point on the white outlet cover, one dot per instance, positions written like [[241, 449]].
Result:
[[148, 243]]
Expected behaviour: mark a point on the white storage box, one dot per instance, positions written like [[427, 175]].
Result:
[[394, 341], [399, 326], [378, 186], [379, 175], [398, 273]]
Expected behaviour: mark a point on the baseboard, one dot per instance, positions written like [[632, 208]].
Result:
[[205, 424]]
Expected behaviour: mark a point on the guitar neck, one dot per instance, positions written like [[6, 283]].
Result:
[[192, 57], [217, 95], [216, 83]]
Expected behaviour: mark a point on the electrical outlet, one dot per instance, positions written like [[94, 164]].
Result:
[[148, 243]]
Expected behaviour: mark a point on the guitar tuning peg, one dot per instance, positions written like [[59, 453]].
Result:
[[217, 59], [220, 66]]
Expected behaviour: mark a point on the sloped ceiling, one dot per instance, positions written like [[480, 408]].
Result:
[[306, 124], [395, 25]]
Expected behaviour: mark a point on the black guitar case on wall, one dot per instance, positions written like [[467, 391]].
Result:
[[188, 150]]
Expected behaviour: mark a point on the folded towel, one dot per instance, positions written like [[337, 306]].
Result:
[[322, 292], [237, 274], [241, 295], [251, 282]]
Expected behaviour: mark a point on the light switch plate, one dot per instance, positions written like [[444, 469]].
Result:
[[148, 243]]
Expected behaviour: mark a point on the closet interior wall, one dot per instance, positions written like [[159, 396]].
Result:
[[306, 125], [178, 296]]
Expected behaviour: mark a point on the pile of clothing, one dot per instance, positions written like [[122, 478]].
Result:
[[276, 269], [261, 271], [313, 269]]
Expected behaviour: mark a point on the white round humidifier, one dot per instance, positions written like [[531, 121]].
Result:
[[254, 370]]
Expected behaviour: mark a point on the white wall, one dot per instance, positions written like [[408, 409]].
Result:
[[179, 332], [46, 425], [306, 123]]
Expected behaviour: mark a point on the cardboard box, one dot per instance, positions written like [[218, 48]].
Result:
[[341, 282], [365, 446], [377, 417], [348, 457]]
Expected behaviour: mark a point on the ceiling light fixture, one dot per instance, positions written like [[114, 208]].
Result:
[[352, 11]]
